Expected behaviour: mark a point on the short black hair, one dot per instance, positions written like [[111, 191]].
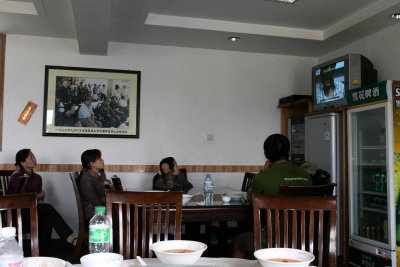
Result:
[[21, 156], [169, 161], [276, 147], [89, 156]]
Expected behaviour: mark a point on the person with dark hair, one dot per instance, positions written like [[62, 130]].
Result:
[[92, 182], [170, 177], [67, 116], [63, 91], [108, 117], [277, 171], [25, 180]]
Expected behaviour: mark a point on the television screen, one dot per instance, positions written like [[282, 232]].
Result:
[[329, 83]]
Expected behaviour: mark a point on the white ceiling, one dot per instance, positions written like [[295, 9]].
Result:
[[305, 28]]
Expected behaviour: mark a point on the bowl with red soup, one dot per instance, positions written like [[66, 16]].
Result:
[[178, 251], [279, 257]]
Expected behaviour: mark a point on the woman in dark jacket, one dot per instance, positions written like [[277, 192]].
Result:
[[92, 182], [25, 180], [170, 177]]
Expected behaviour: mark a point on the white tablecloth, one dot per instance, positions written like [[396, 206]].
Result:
[[220, 262]]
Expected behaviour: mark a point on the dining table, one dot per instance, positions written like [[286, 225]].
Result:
[[203, 261], [238, 209]]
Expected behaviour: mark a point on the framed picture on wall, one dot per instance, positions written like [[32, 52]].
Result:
[[87, 102]]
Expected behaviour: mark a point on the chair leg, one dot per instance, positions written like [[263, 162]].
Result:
[[78, 248]]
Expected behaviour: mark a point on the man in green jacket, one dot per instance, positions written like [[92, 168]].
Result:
[[277, 171]]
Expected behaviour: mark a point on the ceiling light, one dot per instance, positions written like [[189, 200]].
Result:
[[395, 16], [234, 38], [287, 1]]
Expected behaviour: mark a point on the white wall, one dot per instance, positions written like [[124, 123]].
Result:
[[382, 48], [185, 95]]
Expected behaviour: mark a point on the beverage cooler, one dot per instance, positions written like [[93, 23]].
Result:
[[373, 125]]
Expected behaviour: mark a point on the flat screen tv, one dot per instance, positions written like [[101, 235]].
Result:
[[332, 80]]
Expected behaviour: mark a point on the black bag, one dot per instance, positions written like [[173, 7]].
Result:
[[320, 177]]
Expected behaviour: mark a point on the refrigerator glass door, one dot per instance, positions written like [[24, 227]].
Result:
[[369, 202]]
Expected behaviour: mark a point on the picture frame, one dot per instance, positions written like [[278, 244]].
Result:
[[91, 102]]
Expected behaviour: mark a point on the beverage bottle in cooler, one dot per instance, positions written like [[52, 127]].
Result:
[[208, 190], [11, 253], [99, 231], [398, 223]]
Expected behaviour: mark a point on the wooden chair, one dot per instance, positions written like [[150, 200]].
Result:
[[83, 234], [184, 171], [307, 223], [116, 181], [247, 180], [10, 215], [4, 180], [312, 190], [135, 227]]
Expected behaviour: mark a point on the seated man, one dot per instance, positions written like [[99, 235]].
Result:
[[277, 171], [86, 114], [67, 116], [117, 109], [108, 117]]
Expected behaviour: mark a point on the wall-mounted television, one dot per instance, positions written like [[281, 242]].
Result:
[[332, 80]]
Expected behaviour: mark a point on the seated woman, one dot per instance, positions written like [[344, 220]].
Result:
[[25, 180], [170, 177], [92, 182]]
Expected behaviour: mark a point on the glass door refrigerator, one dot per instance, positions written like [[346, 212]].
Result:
[[373, 121]]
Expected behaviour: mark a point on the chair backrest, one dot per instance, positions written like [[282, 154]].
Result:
[[74, 178], [312, 190], [307, 223], [247, 180], [10, 215], [4, 180], [116, 181], [139, 218], [184, 171]]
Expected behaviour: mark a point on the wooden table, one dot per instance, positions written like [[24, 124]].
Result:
[[220, 262], [235, 210]]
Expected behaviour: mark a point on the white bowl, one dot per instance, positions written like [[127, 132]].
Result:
[[236, 195], [226, 199], [186, 198], [102, 260], [264, 256], [43, 262], [160, 248]]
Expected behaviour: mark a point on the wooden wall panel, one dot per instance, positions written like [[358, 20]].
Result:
[[141, 168]]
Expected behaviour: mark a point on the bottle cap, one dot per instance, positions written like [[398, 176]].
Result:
[[208, 175], [7, 231], [100, 209]]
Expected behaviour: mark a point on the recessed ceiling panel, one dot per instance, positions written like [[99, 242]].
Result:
[[307, 14]]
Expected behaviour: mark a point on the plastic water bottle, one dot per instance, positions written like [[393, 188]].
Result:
[[208, 190], [11, 253], [99, 231]]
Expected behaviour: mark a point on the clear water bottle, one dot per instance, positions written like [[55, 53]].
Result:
[[99, 231], [11, 253], [208, 190]]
